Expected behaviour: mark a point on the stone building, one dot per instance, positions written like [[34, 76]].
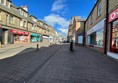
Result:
[[18, 26], [96, 27], [76, 23]]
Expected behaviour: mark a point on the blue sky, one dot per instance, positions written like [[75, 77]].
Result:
[[57, 12]]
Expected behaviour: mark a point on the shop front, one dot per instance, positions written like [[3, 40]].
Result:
[[18, 36], [95, 36], [80, 39], [46, 38], [51, 39], [5, 35], [113, 35], [34, 37]]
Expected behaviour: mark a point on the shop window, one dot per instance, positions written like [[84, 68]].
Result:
[[96, 38], [99, 9], [93, 38], [88, 39], [11, 19], [99, 37], [115, 37]]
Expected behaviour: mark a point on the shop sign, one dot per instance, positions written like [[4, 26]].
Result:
[[19, 32], [98, 26], [33, 34], [45, 37], [113, 15]]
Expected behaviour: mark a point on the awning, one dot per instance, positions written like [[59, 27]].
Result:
[[34, 34], [19, 32]]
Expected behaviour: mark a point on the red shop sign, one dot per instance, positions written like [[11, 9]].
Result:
[[113, 15], [19, 32]]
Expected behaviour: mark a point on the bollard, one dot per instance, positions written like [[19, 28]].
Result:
[[71, 45], [37, 46], [0, 45]]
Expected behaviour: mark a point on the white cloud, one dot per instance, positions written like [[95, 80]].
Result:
[[63, 30], [54, 19], [58, 5], [57, 21]]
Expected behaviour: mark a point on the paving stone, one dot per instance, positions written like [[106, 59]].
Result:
[[59, 66]]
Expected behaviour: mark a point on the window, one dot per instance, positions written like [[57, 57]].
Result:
[[99, 9], [33, 26], [11, 19], [92, 19], [21, 12], [41, 23], [25, 24], [33, 19], [96, 38], [21, 22], [2, 1], [99, 37], [8, 4], [25, 14]]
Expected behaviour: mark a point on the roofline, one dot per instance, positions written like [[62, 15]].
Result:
[[9, 0], [92, 9], [22, 9], [33, 16], [81, 21]]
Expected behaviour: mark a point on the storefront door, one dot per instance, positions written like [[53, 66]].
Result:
[[114, 39]]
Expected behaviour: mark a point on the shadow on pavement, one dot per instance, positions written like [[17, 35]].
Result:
[[18, 67]]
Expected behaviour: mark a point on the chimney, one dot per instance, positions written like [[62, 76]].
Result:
[[25, 8]]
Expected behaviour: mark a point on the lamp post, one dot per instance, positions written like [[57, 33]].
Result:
[[106, 26]]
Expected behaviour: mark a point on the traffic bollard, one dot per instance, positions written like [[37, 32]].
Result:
[[0, 45], [71, 45], [37, 46]]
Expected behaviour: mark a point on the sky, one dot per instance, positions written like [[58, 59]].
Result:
[[57, 12]]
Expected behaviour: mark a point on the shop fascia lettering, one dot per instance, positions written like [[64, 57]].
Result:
[[19, 32], [113, 15]]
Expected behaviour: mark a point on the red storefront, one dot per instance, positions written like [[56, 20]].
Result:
[[113, 22], [19, 36]]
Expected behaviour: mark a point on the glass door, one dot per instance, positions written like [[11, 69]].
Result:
[[114, 41]]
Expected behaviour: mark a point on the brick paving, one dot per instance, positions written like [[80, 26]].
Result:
[[57, 64], [18, 68], [81, 66]]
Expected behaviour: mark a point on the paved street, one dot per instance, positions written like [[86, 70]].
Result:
[[56, 64], [12, 50]]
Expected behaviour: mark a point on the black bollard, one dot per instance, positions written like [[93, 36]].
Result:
[[37, 47], [71, 46]]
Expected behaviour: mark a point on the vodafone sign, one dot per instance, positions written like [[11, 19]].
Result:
[[113, 15]]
